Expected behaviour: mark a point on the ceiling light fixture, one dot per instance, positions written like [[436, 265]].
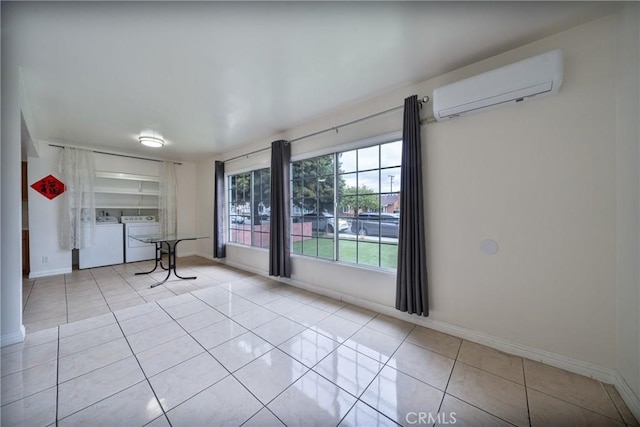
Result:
[[151, 141]]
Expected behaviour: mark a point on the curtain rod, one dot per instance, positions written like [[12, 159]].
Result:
[[424, 100], [114, 154]]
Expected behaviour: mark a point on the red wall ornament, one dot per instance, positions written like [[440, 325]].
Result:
[[49, 186]]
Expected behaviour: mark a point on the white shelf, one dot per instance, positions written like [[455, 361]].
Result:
[[127, 207], [116, 190], [127, 176], [128, 192]]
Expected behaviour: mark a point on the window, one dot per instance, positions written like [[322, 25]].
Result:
[[312, 201], [345, 206], [248, 210], [370, 184]]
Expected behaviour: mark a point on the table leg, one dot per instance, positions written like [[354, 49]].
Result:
[[172, 256], [158, 259], [169, 255], [174, 263]]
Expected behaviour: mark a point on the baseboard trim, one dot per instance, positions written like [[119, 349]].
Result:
[[36, 274], [597, 372], [13, 337], [627, 394]]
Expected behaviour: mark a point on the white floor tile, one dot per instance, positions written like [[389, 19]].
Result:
[[36, 410], [183, 381], [356, 314], [425, 365], [28, 358], [241, 350], [264, 418], [337, 328], [95, 386], [218, 333], [312, 398], [167, 355], [186, 309], [155, 336], [351, 370], [307, 315], [30, 381], [391, 326], [268, 375], [398, 395], [278, 330], [153, 319], [86, 325], [283, 305], [364, 415], [135, 406], [254, 317], [93, 358], [374, 344], [199, 320], [226, 403], [309, 347]]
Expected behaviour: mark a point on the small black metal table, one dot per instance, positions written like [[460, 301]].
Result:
[[171, 241]]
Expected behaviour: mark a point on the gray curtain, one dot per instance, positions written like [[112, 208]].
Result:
[[219, 249], [280, 247], [411, 281]]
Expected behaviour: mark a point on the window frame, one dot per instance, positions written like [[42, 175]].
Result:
[[337, 211], [228, 223]]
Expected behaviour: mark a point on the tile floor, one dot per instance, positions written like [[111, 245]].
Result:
[[231, 348]]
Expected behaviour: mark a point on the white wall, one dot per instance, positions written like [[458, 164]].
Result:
[[204, 197], [540, 178], [187, 206], [44, 215], [11, 328], [628, 196]]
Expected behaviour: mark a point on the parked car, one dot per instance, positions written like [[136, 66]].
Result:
[[324, 222], [376, 224], [238, 219]]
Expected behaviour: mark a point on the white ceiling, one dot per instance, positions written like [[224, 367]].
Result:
[[210, 76]]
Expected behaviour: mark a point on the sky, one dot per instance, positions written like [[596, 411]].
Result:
[[386, 155]]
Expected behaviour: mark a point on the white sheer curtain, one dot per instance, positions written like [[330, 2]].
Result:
[[77, 220], [167, 209]]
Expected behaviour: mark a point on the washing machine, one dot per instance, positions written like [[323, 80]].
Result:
[[135, 250], [108, 248]]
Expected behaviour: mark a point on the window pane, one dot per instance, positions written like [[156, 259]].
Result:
[[310, 186], [369, 158], [349, 180], [347, 249], [390, 203], [296, 188], [347, 161], [369, 182], [325, 247], [391, 154], [390, 179], [369, 253], [325, 165], [296, 170], [310, 247], [389, 256], [309, 167]]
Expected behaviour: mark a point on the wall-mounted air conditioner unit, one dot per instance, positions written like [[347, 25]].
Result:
[[533, 77]]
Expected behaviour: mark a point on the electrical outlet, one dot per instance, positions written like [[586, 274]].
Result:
[[45, 259]]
